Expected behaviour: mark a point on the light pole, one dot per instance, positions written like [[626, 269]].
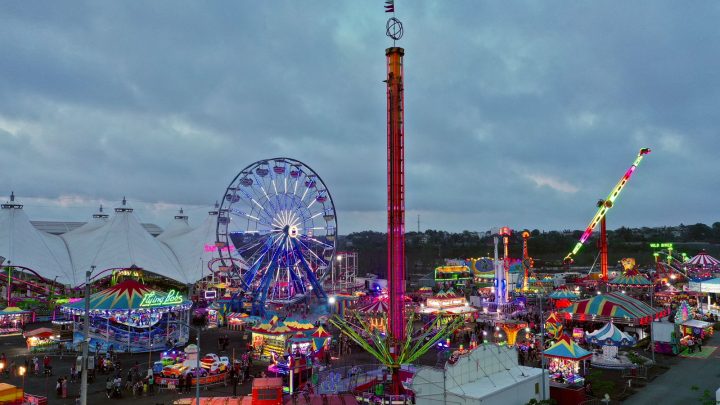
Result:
[[332, 273], [86, 339], [542, 344], [197, 365]]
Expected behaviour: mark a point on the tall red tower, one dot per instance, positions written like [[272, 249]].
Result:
[[396, 191]]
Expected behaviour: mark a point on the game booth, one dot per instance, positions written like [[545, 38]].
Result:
[[689, 326], [131, 317], [12, 319], [566, 376]]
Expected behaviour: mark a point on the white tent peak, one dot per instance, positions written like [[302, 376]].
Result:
[[178, 226], [12, 204], [124, 206], [25, 246], [100, 213]]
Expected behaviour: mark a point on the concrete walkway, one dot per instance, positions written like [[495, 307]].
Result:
[[674, 386]]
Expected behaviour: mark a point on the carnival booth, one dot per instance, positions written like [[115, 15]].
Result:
[[237, 320], [564, 361], [12, 319], [270, 338], [610, 338], [448, 304], [132, 317], [690, 327], [40, 340], [454, 274], [343, 302], [374, 314]]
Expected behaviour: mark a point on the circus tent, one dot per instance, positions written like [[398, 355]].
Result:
[[617, 307], [122, 243], [196, 248], [609, 335], [178, 226], [21, 244], [703, 259]]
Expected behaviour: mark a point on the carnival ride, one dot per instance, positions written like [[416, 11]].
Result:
[[671, 266], [603, 207], [276, 232]]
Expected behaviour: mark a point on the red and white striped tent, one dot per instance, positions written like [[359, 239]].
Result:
[[704, 260], [378, 306]]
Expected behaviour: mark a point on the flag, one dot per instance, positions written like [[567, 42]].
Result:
[[390, 6]]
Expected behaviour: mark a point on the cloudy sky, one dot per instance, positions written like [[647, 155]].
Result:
[[518, 113]]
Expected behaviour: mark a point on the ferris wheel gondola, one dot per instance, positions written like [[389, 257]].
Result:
[[278, 218]]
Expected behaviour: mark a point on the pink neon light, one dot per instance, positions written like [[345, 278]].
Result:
[[213, 248]]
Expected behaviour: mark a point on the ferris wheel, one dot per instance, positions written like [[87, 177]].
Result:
[[276, 231]]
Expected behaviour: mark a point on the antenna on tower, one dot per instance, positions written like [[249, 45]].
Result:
[[393, 27]]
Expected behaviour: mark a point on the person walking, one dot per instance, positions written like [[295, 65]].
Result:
[[188, 381], [181, 385]]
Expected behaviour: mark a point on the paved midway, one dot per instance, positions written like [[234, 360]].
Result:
[[674, 386]]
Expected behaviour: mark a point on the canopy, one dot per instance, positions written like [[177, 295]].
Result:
[[377, 306], [13, 310], [130, 295], [321, 333], [613, 306], [610, 335], [566, 348], [703, 259], [630, 278], [40, 333], [696, 323], [563, 294]]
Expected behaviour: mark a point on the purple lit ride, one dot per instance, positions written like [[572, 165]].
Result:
[[276, 232]]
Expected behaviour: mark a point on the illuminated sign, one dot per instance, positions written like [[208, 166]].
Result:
[[661, 245], [131, 273], [153, 299], [213, 248]]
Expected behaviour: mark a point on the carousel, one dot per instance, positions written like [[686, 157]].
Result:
[[610, 339], [131, 317]]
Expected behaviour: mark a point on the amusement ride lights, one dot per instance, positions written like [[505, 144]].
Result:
[[603, 207]]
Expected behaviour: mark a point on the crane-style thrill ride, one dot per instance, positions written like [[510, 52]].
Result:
[[603, 207]]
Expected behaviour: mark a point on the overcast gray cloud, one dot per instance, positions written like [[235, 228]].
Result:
[[519, 113]]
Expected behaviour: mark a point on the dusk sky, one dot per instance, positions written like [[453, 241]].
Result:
[[518, 113]]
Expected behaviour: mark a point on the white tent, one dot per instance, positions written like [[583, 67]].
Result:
[[23, 245], [178, 226], [196, 248], [98, 220], [120, 243]]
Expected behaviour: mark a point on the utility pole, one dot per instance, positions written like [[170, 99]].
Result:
[[86, 340]]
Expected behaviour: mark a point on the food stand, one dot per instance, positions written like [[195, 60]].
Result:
[[40, 340]]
